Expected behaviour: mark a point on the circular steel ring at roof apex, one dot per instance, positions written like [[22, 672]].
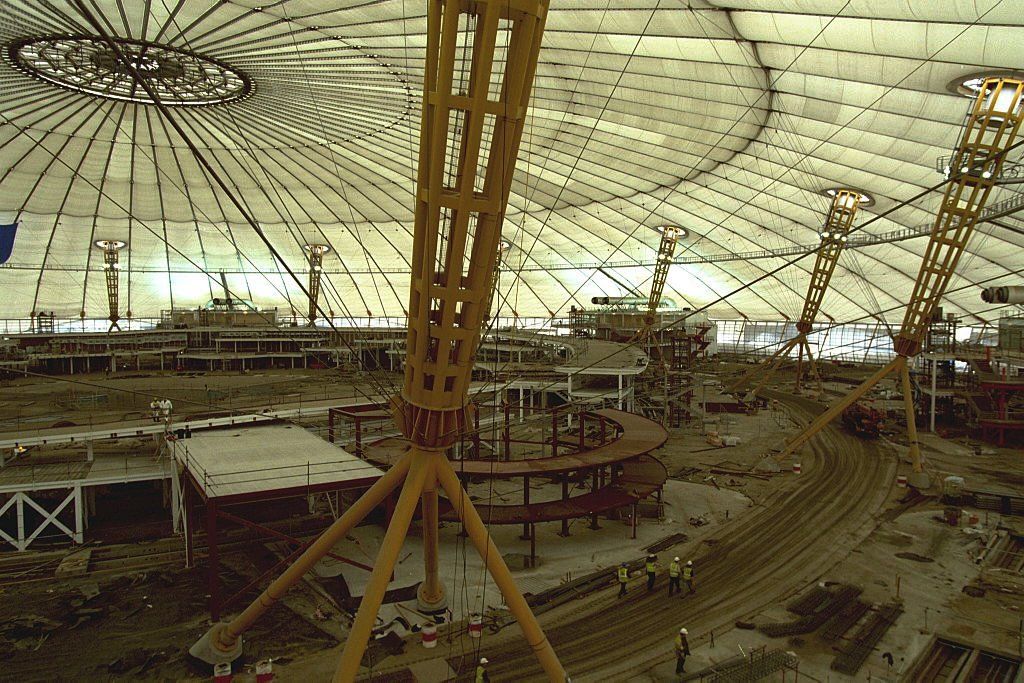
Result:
[[865, 198], [87, 64], [969, 85]]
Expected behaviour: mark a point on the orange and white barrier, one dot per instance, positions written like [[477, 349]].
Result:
[[222, 672], [428, 635], [476, 626]]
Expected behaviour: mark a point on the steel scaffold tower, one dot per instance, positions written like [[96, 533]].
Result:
[[992, 126], [834, 235]]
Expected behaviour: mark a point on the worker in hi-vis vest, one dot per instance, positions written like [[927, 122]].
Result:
[[481, 671], [682, 649], [688, 576], [675, 573], [623, 578], [651, 566]]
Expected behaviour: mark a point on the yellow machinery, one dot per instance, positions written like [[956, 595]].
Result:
[[991, 128], [469, 142], [833, 239]]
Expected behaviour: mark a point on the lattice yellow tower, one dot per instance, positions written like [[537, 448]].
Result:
[[991, 129], [834, 235], [469, 141]]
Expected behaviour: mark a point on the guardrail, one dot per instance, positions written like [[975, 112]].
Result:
[[27, 476]]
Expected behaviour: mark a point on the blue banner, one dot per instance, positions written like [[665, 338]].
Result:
[[7, 233]]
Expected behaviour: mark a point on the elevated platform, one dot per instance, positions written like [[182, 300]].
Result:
[[253, 463], [637, 436], [227, 467], [105, 468], [640, 478], [55, 497], [632, 474]]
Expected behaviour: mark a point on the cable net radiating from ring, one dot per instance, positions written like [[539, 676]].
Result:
[[85, 64]]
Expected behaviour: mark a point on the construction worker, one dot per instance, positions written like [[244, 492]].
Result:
[[623, 578], [652, 567], [682, 649], [688, 576], [675, 572], [154, 409], [481, 671]]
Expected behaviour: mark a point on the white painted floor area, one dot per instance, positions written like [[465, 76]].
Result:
[[244, 460], [470, 590]]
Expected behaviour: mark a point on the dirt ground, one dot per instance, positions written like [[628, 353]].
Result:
[[140, 623], [136, 626]]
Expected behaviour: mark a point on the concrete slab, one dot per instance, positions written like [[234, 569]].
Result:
[[250, 460]]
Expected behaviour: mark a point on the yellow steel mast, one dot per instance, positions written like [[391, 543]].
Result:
[[666, 250], [469, 142], [315, 254], [992, 127], [838, 223]]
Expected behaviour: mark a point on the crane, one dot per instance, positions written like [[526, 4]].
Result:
[[838, 222], [992, 126]]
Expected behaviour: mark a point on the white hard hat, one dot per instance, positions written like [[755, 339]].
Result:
[[689, 562], [683, 631], [483, 660], [676, 559]]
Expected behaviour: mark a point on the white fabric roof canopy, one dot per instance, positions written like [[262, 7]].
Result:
[[727, 118]]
